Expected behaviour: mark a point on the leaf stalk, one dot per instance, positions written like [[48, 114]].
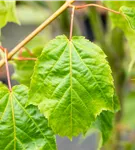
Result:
[[48, 21], [37, 30], [72, 22], [7, 68]]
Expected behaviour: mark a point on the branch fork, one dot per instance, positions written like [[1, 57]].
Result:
[[21, 58], [47, 22]]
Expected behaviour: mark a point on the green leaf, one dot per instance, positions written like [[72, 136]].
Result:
[[105, 121], [71, 85], [129, 14], [123, 24], [102, 127], [7, 12], [22, 128], [104, 124], [23, 69]]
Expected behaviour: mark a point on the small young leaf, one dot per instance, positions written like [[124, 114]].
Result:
[[129, 13], [22, 128], [23, 69], [7, 12], [71, 85]]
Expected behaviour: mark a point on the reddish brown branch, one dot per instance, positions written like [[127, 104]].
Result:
[[95, 5], [24, 48]]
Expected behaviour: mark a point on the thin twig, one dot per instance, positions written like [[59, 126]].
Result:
[[24, 48], [24, 58], [30, 53], [37, 30], [7, 68], [94, 5], [71, 23]]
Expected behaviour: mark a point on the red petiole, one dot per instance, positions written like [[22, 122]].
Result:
[[7, 68]]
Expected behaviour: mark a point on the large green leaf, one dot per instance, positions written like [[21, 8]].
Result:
[[22, 128], [23, 69], [7, 12], [71, 85]]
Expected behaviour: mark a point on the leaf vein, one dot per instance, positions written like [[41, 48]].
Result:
[[51, 69], [70, 64], [9, 144], [21, 144], [90, 73], [4, 110], [60, 100], [34, 123], [14, 124]]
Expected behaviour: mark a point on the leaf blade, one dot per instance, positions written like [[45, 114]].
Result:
[[20, 127], [66, 90], [23, 69], [7, 13], [129, 13]]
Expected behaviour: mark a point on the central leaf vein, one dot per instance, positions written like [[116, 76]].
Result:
[[70, 56], [13, 117]]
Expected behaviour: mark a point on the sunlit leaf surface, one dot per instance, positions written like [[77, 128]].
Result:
[[22, 128], [71, 85]]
